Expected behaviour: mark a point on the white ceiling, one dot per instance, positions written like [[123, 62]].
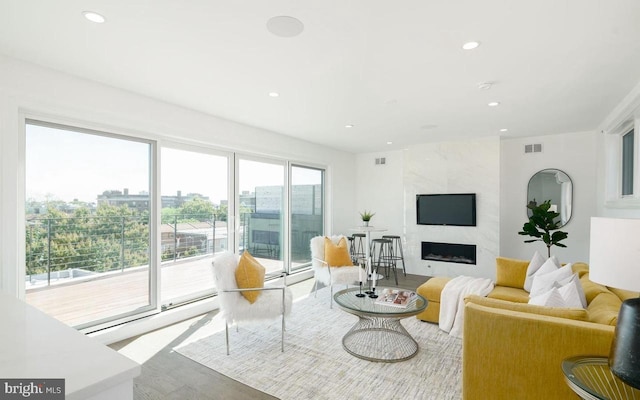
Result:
[[394, 69]]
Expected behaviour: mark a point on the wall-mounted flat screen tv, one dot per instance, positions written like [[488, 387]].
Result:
[[457, 209]]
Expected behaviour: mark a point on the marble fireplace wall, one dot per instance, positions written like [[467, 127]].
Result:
[[470, 166]]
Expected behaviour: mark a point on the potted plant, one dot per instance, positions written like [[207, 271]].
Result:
[[541, 226], [366, 217]]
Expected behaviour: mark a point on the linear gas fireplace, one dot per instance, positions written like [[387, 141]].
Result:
[[449, 252]]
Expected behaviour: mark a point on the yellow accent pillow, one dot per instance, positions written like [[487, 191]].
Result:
[[511, 272], [337, 255], [249, 274]]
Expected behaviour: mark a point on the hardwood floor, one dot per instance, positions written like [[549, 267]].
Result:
[[81, 301], [169, 375]]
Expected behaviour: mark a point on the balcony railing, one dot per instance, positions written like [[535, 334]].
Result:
[[73, 247], [63, 248]]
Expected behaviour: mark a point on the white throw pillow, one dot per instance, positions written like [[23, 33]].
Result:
[[544, 282], [550, 298], [572, 292], [548, 266], [536, 262]]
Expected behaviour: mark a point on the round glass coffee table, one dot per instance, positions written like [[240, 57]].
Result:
[[591, 378], [378, 335]]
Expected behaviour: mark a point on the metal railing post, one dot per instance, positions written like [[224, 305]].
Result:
[[175, 237], [122, 246], [48, 251], [28, 256]]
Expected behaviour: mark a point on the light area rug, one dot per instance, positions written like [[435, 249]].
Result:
[[315, 366]]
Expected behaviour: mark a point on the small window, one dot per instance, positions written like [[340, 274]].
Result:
[[627, 163]]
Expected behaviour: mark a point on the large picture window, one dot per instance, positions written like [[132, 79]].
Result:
[[307, 211], [194, 222], [261, 210], [105, 244], [88, 236]]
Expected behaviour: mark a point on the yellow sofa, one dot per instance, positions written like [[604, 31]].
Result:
[[513, 350]]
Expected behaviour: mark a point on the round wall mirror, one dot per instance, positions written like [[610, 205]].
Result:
[[555, 185]]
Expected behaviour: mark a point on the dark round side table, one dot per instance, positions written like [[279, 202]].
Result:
[[591, 378]]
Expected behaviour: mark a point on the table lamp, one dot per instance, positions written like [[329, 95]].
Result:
[[614, 261]]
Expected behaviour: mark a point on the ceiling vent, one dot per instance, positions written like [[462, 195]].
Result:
[[381, 161], [533, 148]]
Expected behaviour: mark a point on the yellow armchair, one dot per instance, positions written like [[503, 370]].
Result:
[[517, 355]]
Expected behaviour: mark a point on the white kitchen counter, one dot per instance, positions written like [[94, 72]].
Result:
[[34, 345]]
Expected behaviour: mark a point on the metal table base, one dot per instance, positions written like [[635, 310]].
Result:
[[378, 335], [380, 339]]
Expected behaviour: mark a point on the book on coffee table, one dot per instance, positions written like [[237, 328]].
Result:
[[395, 297]]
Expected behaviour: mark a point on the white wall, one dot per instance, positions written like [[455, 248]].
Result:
[[380, 189], [573, 153], [470, 166], [27, 88]]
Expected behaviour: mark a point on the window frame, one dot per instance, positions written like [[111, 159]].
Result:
[[154, 155], [286, 260], [14, 281], [290, 167], [613, 141], [631, 165], [208, 150]]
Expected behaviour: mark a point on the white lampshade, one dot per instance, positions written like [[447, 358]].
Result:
[[614, 261], [614, 258]]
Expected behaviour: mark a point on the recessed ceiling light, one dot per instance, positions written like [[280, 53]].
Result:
[[493, 104], [94, 17], [389, 142], [348, 126], [285, 26], [470, 45], [274, 94], [503, 130]]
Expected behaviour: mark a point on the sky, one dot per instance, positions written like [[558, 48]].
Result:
[[66, 165]]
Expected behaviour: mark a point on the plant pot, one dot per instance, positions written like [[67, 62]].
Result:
[[365, 223]]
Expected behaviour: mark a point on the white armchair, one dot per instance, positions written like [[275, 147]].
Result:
[[273, 301], [330, 274]]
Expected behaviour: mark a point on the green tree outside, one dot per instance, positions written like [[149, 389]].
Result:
[[111, 238], [60, 241]]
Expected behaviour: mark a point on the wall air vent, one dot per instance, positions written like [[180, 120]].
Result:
[[381, 161], [533, 148]]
